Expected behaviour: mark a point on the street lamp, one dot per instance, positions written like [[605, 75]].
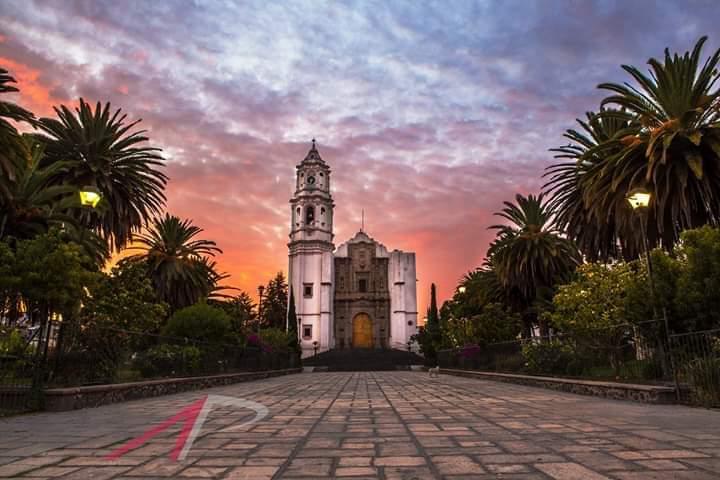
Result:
[[90, 196], [639, 200], [462, 289]]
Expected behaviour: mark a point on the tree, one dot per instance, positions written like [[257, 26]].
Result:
[[597, 234], [530, 256], [697, 297], [106, 154], [670, 146], [275, 303], [118, 317], [431, 336], [200, 322], [241, 310], [12, 151], [178, 263], [32, 203], [292, 328]]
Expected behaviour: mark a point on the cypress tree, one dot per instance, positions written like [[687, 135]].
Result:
[[292, 323]]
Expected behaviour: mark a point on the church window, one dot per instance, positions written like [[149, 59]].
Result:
[[362, 285], [307, 290], [307, 332], [310, 215]]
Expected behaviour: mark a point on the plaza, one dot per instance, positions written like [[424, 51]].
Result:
[[383, 425]]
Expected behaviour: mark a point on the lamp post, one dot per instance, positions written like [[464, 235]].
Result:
[[261, 289], [89, 196], [639, 200]]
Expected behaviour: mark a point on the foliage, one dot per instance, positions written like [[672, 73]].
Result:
[[200, 322], [495, 323], [530, 256], [32, 203], [698, 283], [704, 375], [51, 272], [12, 343], [594, 300], [430, 337], [177, 262], [240, 309], [106, 154], [116, 319], [275, 340], [665, 138], [552, 357], [275, 303], [12, 151], [292, 330], [166, 360]]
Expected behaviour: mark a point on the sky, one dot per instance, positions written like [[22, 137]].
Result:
[[430, 114]]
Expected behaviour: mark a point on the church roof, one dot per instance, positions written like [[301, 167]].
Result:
[[313, 156], [362, 237]]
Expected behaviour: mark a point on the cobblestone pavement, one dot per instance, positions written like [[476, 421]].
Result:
[[391, 425]]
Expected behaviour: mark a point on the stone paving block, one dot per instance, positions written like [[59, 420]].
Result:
[[569, 471], [203, 472], [456, 465], [251, 473], [51, 472], [355, 471], [399, 461]]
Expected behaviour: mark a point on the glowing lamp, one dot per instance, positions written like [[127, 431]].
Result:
[[462, 289], [89, 197], [639, 199]]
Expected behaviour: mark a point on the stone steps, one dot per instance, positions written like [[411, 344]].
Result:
[[363, 360]]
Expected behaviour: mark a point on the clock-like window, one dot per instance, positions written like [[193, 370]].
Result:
[[311, 180]]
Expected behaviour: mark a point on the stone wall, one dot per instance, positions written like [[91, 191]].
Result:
[[613, 390], [61, 399]]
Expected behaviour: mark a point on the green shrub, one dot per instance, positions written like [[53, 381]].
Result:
[[550, 357], [704, 375], [200, 322], [12, 343], [274, 339], [165, 360]]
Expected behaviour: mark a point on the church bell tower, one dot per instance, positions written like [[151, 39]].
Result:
[[311, 252]]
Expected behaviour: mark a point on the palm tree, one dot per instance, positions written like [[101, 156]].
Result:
[[32, 203], [108, 156], [12, 151], [529, 255], [179, 265], [671, 147], [600, 232]]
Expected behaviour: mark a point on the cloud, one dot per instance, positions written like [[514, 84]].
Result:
[[430, 114]]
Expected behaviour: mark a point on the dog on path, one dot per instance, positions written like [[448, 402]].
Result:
[[434, 372]]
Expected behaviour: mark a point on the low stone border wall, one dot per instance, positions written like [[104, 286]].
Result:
[[73, 398], [613, 390]]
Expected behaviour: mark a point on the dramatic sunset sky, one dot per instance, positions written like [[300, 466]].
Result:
[[429, 113]]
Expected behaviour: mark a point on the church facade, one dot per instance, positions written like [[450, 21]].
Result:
[[359, 295]]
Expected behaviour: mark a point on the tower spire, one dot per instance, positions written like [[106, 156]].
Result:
[[362, 225]]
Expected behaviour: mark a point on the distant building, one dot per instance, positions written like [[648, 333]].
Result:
[[358, 296]]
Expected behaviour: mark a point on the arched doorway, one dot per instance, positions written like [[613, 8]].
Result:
[[362, 331]]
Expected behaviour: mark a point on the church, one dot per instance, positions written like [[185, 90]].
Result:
[[358, 295]]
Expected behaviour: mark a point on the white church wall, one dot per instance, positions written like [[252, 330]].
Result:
[[403, 297]]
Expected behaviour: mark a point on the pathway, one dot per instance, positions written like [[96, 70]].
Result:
[[386, 425]]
